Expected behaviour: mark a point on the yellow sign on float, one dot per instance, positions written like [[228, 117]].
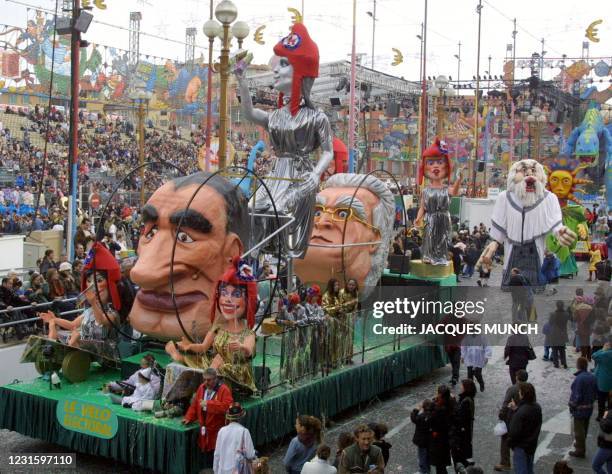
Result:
[[87, 418]]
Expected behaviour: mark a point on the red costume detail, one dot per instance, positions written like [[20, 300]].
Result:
[[303, 54], [104, 261], [340, 155], [214, 416]]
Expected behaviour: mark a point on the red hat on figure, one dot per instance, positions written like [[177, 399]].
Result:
[[436, 149], [340, 155], [239, 274], [303, 54], [100, 259]]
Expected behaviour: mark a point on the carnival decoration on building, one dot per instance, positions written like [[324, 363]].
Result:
[[591, 31], [563, 182], [398, 57], [353, 222], [258, 35]]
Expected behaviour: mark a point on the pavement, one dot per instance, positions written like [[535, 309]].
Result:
[[393, 408]]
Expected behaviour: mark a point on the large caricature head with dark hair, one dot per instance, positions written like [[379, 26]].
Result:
[[214, 229]]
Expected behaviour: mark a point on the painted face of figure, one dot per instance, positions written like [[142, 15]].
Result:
[[203, 250], [527, 179], [351, 285], [283, 74], [232, 301], [323, 259], [560, 182], [102, 295], [436, 168]]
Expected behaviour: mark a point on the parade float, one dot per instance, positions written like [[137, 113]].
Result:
[[204, 235]]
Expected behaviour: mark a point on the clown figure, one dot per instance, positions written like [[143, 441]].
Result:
[[435, 203]]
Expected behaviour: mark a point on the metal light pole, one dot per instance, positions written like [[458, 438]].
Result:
[[211, 40], [141, 150], [351, 131], [73, 153], [458, 56], [424, 86], [373, 31], [512, 110], [476, 99]]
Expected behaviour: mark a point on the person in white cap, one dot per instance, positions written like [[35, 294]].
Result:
[[144, 391]]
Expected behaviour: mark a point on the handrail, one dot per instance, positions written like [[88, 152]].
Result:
[[31, 320], [36, 305]]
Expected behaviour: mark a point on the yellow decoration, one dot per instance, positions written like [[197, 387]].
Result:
[[426, 270], [297, 16], [398, 57], [563, 182], [591, 31], [85, 3], [100, 4], [258, 35]]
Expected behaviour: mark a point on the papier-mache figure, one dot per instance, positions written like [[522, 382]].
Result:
[[523, 216], [95, 326], [231, 337], [563, 182], [296, 129], [435, 203]]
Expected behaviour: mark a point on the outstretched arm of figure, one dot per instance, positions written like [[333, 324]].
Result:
[[454, 190], [198, 348], [248, 346], [252, 114], [63, 323], [489, 252]]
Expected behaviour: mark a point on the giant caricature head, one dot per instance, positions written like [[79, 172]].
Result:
[[527, 180], [368, 219], [212, 232], [562, 180]]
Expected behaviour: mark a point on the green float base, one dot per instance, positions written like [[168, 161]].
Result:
[[165, 445], [412, 280]]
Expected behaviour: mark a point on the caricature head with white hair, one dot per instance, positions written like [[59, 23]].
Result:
[[527, 180], [361, 208]]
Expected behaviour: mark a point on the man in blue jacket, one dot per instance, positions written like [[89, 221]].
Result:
[[584, 394]]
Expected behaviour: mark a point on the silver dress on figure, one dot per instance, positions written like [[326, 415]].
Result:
[[293, 138], [437, 231]]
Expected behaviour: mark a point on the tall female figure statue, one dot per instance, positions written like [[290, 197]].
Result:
[[296, 129]]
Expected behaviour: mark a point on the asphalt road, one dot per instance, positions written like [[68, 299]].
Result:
[[394, 408]]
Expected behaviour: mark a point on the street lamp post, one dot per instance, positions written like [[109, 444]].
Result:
[[536, 119], [211, 30], [458, 56], [141, 98], [439, 91]]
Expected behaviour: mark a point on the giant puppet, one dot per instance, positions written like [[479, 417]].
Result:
[[212, 232], [523, 216], [562, 181], [434, 208], [296, 130], [353, 223]]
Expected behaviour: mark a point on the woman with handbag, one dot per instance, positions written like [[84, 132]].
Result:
[[234, 451]]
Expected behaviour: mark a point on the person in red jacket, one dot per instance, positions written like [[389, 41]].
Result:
[[209, 405]]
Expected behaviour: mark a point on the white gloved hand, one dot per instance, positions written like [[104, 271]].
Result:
[[566, 236]]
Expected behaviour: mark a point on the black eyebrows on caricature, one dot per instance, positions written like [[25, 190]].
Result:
[[191, 219]]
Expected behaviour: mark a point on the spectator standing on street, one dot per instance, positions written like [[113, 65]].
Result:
[[462, 429], [320, 464], [550, 269], [345, 439], [362, 456], [440, 422], [557, 334], [303, 446], [380, 430], [582, 398], [505, 415], [422, 436], [518, 352], [524, 429], [233, 443], [475, 353], [603, 456], [584, 322], [603, 373], [48, 262]]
